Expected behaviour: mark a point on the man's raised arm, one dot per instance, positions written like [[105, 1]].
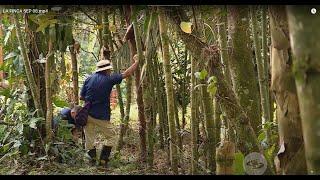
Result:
[[132, 68]]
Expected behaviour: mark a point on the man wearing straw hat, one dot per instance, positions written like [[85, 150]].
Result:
[[97, 89]]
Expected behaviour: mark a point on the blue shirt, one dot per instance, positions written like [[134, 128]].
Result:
[[66, 115], [97, 89]]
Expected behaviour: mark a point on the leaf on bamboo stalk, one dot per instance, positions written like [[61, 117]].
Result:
[[201, 75], [186, 27], [212, 89], [212, 79], [261, 136]]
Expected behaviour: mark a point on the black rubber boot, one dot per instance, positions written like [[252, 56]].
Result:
[[104, 157], [93, 156]]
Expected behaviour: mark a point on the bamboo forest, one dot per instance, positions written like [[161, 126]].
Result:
[[159, 90]]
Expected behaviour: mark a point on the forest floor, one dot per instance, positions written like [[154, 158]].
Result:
[[71, 159]]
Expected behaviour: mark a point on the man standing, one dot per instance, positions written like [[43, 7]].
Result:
[[96, 89]]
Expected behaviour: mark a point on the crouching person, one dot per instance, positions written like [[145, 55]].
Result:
[[69, 115], [96, 90]]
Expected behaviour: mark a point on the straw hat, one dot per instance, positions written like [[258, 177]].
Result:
[[103, 65]]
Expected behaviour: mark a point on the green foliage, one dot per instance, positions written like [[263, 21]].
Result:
[[67, 153], [181, 72], [212, 85], [14, 136], [136, 10], [238, 163], [44, 20], [33, 122], [211, 82], [59, 102], [45, 24], [5, 92], [8, 34], [269, 143], [201, 75], [261, 136], [56, 27]]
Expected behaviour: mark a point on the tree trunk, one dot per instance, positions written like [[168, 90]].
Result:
[[74, 65], [194, 121], [208, 114], [63, 65], [36, 46], [243, 77], [225, 156], [185, 85], [125, 123], [49, 113], [178, 128], [210, 126], [169, 90], [106, 34], [149, 85], [223, 41], [224, 54], [99, 20], [27, 65], [135, 47], [263, 79], [291, 153], [1, 52], [225, 96], [217, 121], [265, 57], [142, 130], [107, 44], [160, 108], [305, 47]]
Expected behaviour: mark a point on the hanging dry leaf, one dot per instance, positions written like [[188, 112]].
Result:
[[186, 27]]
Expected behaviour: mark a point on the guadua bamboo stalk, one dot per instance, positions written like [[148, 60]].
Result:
[[169, 90], [305, 47]]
